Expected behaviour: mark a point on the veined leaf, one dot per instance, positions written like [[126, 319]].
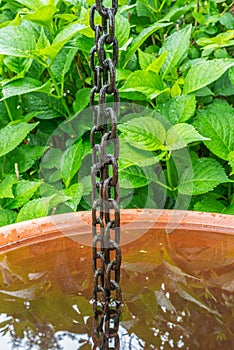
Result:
[[146, 7], [32, 4], [71, 161], [48, 106], [62, 62], [60, 40], [148, 83], [12, 135], [157, 64], [35, 208], [231, 161], [24, 86], [75, 192], [176, 46], [176, 12], [17, 41], [209, 205], [43, 15], [138, 41], [25, 156], [7, 217], [206, 73], [178, 109], [23, 192], [132, 177], [129, 155], [18, 65], [6, 186], [122, 29], [145, 59], [180, 135], [205, 175], [231, 74], [216, 121], [144, 133], [82, 99]]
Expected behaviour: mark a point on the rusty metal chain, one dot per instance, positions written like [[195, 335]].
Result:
[[107, 296]]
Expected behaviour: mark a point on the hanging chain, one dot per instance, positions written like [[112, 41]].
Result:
[[107, 296]]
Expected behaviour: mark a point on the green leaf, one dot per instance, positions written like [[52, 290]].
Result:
[[35, 208], [145, 59], [31, 4], [23, 192], [43, 15], [180, 135], [132, 177], [52, 159], [216, 122], [223, 86], [231, 161], [24, 86], [60, 40], [227, 20], [130, 155], [48, 106], [229, 210], [75, 192], [122, 29], [82, 99], [138, 41], [177, 12], [209, 205], [206, 73], [62, 62], [146, 7], [71, 161], [148, 83], [144, 133], [25, 156], [178, 109], [204, 177], [12, 135], [6, 186], [176, 46], [17, 41], [157, 64], [17, 64], [231, 74], [7, 217]]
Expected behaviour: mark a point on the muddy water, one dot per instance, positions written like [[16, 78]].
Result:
[[178, 293]]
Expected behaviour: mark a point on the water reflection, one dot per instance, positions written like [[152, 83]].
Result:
[[177, 290]]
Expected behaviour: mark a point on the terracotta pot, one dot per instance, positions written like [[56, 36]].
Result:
[[185, 226], [177, 276]]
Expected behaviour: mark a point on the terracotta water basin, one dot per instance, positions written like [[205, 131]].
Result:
[[177, 280]]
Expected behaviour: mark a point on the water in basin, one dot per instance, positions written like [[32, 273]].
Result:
[[178, 293]]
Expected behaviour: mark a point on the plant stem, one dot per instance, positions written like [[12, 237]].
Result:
[[226, 9], [170, 175], [58, 92], [163, 185], [8, 110]]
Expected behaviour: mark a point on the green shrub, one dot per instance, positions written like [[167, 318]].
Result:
[[176, 58]]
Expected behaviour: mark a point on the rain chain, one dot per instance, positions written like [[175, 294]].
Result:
[[107, 296]]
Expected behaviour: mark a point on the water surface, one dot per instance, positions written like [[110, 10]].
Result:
[[178, 293]]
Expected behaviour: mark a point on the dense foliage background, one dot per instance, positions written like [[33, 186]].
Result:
[[176, 57]]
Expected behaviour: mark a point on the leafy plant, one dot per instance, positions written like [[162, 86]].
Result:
[[176, 60]]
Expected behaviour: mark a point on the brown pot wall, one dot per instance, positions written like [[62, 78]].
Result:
[[182, 226]]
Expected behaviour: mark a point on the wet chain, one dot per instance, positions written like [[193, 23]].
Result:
[[107, 296]]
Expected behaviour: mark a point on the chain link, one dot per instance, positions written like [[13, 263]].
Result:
[[107, 296]]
